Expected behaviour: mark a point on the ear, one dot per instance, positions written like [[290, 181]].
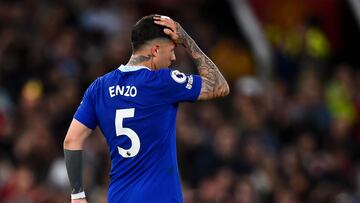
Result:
[[155, 50]]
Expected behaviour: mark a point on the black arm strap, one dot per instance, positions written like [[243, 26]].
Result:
[[73, 161]]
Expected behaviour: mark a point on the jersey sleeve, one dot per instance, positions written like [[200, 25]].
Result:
[[179, 87], [85, 113]]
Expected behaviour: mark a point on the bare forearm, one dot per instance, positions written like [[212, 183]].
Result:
[[214, 82]]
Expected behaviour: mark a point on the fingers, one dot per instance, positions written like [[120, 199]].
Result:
[[172, 34], [161, 16], [168, 32], [165, 21]]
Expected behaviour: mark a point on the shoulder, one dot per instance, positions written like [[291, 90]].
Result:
[[174, 79], [150, 77], [99, 82], [172, 75], [110, 76]]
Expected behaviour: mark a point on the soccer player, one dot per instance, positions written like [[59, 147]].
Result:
[[135, 107]]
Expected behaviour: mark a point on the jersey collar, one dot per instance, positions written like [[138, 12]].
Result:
[[132, 68]]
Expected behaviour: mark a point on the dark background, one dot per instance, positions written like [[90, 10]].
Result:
[[293, 139]]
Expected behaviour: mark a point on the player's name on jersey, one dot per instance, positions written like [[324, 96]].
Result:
[[127, 91]]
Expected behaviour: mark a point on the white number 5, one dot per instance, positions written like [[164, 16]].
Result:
[[120, 130]]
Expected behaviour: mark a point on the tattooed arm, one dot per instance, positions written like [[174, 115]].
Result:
[[213, 82]]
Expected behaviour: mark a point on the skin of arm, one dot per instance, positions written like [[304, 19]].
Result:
[[76, 135], [73, 145], [213, 82]]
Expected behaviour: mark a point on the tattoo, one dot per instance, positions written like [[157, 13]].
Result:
[[182, 34], [214, 84], [138, 59]]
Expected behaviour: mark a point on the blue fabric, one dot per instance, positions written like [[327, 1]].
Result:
[[147, 103]]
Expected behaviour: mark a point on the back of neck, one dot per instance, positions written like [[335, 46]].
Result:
[[141, 60]]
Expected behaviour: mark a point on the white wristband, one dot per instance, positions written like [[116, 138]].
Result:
[[79, 195]]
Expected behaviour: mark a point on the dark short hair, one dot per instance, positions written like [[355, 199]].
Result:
[[145, 30]]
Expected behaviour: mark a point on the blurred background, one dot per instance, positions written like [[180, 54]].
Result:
[[288, 133]]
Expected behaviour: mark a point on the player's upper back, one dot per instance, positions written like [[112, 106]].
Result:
[[137, 85], [136, 110], [135, 96], [140, 85]]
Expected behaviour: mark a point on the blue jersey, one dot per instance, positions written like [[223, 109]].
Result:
[[135, 108]]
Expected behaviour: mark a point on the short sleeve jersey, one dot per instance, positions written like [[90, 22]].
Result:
[[135, 108]]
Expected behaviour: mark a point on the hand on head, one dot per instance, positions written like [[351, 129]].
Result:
[[174, 30]]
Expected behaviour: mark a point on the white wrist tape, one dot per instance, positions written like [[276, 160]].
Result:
[[79, 195]]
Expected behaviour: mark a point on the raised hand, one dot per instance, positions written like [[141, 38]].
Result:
[[174, 29], [213, 82]]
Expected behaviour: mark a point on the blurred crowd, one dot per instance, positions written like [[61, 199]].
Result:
[[290, 139]]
